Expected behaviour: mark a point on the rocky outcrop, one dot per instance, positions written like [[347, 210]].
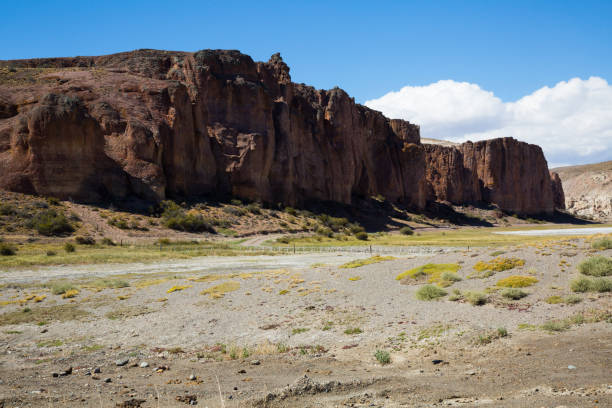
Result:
[[588, 189], [510, 174], [557, 189], [156, 124]]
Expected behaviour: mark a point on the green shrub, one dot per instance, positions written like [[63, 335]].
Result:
[[556, 325], [602, 285], [602, 243], [51, 222], [118, 222], [68, 247], [362, 236], [513, 293], [553, 300], [476, 298], [580, 285], [353, 330], [291, 211], [406, 231], [236, 201], [7, 209], [383, 357], [61, 287], [596, 266], [254, 208], [356, 228], [430, 292], [235, 211], [450, 277], [107, 241], [7, 249], [283, 240], [324, 231], [591, 285], [572, 299], [51, 253], [85, 240], [175, 217], [502, 332]]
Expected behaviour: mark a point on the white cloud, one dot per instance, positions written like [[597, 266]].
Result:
[[572, 121]]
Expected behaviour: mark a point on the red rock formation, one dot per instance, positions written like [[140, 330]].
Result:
[[156, 124], [511, 174], [557, 189]]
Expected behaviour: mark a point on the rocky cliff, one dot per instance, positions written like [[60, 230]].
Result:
[[588, 189], [156, 124], [511, 174]]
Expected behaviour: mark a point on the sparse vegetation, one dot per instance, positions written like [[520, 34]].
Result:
[[362, 236], [583, 284], [178, 288], [406, 231], [85, 240], [513, 294], [430, 292], [516, 281], [489, 336], [362, 262], [218, 291], [602, 243], [553, 300], [7, 249], [353, 330], [442, 274], [59, 288], [485, 269], [299, 330], [43, 314], [476, 298], [68, 247], [51, 222], [175, 217], [596, 266], [383, 357]]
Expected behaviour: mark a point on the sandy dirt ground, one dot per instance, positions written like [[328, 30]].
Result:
[[302, 331]]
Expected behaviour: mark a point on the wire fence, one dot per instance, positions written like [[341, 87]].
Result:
[[364, 249]]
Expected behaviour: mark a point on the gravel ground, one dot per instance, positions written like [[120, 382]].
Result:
[[303, 303]]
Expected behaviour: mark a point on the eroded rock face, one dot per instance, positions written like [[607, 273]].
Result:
[[588, 189], [511, 174], [557, 189], [156, 124]]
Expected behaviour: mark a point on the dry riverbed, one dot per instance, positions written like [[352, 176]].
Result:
[[303, 330]]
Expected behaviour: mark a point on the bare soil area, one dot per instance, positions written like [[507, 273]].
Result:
[[303, 330]]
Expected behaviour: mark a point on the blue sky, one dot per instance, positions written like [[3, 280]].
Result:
[[509, 48]]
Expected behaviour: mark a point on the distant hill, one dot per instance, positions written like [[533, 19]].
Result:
[[588, 189]]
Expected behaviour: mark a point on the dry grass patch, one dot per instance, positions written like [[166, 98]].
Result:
[[368, 261], [127, 312], [218, 291], [517, 281], [430, 292], [178, 288], [485, 269], [43, 314], [442, 274]]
